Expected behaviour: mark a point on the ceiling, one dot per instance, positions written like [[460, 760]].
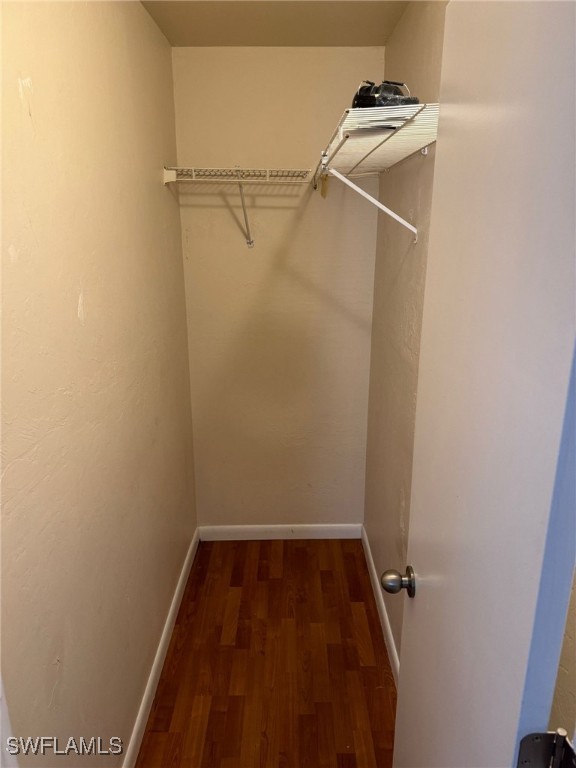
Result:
[[276, 22]]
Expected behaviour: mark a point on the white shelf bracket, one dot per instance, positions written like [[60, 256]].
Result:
[[169, 175], [375, 202]]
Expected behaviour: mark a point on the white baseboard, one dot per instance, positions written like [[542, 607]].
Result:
[[262, 532], [148, 698], [382, 612]]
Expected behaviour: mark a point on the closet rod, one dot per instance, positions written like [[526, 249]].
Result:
[[375, 202]]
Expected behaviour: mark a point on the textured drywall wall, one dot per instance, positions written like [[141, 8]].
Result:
[[413, 55], [279, 334], [563, 713], [98, 508]]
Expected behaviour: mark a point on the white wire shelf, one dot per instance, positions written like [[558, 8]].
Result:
[[240, 176], [373, 140], [235, 175], [368, 141]]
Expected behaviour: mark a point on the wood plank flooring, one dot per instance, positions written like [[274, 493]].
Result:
[[276, 661]]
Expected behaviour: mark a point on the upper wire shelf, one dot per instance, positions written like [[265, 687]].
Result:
[[368, 141], [374, 139], [235, 175]]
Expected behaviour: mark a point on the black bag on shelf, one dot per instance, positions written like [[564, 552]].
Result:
[[387, 94]]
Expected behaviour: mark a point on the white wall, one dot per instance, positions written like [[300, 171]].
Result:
[[98, 486], [279, 335], [413, 55]]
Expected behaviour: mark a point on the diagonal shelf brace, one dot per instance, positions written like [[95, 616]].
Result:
[[375, 202], [249, 239]]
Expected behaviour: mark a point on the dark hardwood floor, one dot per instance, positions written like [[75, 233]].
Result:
[[276, 661]]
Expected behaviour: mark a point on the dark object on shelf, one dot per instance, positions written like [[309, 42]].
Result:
[[387, 94]]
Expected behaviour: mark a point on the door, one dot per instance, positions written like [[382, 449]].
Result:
[[497, 344]]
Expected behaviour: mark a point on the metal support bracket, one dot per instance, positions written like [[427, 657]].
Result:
[[170, 175], [249, 239], [546, 750], [320, 169], [375, 202]]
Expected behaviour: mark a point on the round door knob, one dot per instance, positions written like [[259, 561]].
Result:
[[393, 581]]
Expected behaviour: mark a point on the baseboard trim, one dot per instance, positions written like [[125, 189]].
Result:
[[263, 532], [381, 605], [156, 670]]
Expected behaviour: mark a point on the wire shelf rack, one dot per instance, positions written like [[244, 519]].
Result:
[[373, 140], [235, 175], [368, 141]]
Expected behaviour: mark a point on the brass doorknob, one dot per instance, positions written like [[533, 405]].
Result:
[[393, 581]]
